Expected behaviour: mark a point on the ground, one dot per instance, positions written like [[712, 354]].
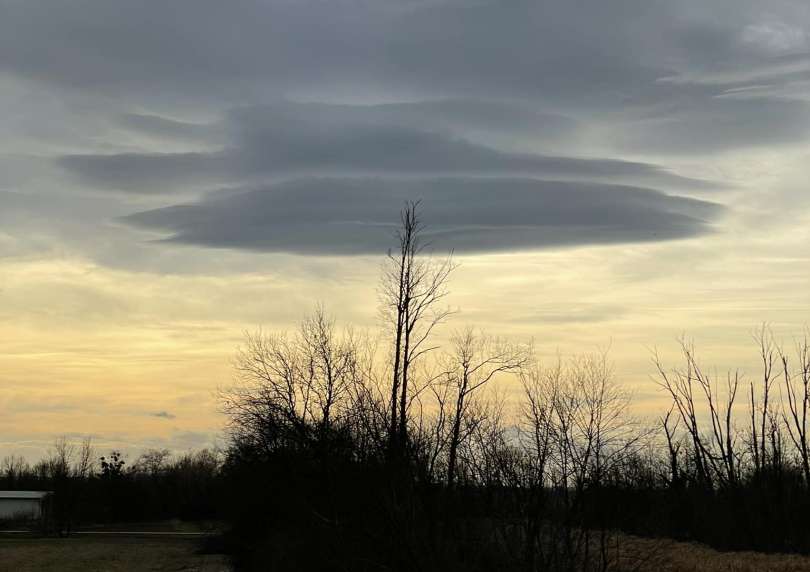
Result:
[[181, 554], [647, 555], [107, 554]]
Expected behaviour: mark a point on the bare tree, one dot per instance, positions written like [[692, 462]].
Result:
[[537, 430], [593, 428], [484, 445], [368, 415], [13, 469], [152, 462], [713, 451], [673, 446], [577, 430], [475, 360], [69, 465], [331, 363], [797, 389], [412, 287], [288, 383], [269, 402], [539, 391], [762, 416]]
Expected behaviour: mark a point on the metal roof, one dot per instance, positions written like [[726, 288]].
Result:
[[36, 495]]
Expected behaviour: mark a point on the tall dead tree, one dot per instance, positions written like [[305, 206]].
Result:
[[412, 287]]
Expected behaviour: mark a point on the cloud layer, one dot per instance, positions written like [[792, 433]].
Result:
[[289, 140], [369, 159], [359, 216]]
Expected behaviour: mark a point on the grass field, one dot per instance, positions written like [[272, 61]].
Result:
[[647, 555], [117, 554], [125, 554]]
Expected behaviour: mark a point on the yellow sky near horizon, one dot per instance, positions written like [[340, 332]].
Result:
[[135, 358]]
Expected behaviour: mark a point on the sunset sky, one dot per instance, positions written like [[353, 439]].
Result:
[[173, 173]]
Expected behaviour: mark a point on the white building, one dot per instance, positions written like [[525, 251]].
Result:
[[22, 504]]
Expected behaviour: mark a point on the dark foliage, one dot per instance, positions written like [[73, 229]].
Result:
[[187, 487]]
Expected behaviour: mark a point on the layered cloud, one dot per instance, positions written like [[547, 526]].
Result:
[[330, 179], [359, 216], [288, 140]]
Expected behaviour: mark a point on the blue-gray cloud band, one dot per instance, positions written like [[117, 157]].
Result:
[[289, 140], [358, 216]]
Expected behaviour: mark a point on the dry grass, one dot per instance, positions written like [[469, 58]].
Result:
[[106, 555], [646, 555], [180, 555]]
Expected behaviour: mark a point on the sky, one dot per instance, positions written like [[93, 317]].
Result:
[[609, 174]]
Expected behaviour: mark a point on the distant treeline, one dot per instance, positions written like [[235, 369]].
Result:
[[392, 451], [90, 490]]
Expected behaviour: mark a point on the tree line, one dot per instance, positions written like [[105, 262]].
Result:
[[92, 489]]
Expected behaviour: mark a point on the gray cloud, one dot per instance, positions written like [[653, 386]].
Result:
[[167, 128], [574, 58], [357, 216], [163, 415], [701, 125], [194, 44], [289, 139], [545, 48], [466, 115], [161, 101]]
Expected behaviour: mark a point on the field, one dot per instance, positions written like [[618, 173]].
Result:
[[159, 554], [115, 554], [645, 555]]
